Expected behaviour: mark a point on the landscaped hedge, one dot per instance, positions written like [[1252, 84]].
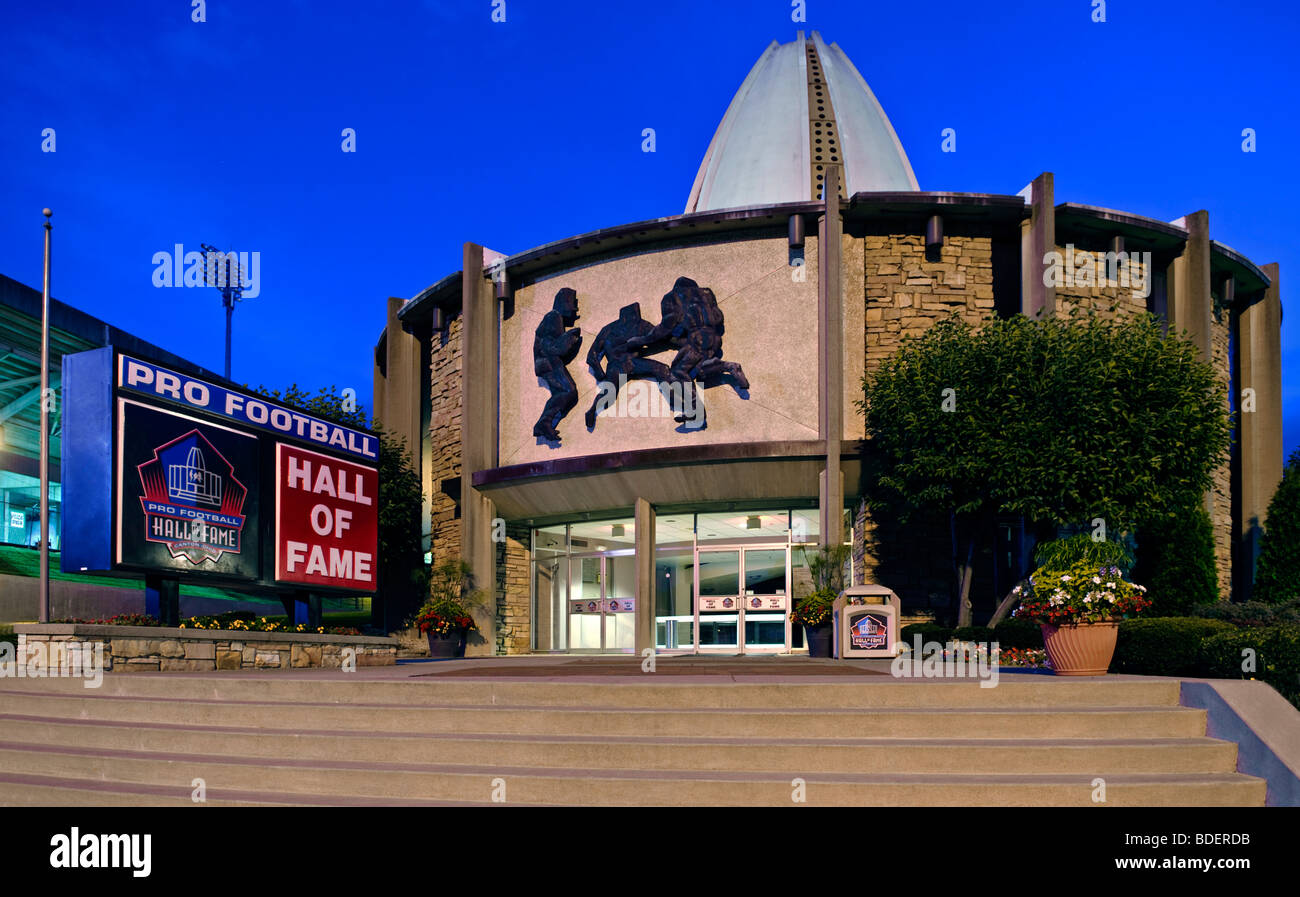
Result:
[[929, 632], [1009, 634], [1276, 657], [1164, 646]]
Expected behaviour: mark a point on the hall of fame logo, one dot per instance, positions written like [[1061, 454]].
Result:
[[192, 502]]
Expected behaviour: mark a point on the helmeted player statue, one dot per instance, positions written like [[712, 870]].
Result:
[[622, 364], [553, 348], [692, 323]]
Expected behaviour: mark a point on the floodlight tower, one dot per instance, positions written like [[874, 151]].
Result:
[[224, 272]]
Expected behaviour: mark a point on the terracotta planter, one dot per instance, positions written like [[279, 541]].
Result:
[[1080, 649], [450, 645]]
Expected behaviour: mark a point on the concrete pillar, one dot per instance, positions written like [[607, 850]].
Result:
[[830, 355], [1259, 348], [644, 594], [397, 390], [478, 438], [1037, 238], [1189, 301]]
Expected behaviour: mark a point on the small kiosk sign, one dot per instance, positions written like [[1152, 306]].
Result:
[[171, 475]]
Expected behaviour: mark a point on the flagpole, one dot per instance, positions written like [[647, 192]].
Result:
[[45, 431]]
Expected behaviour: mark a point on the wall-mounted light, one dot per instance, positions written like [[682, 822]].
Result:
[[753, 523], [617, 530], [934, 232], [796, 230]]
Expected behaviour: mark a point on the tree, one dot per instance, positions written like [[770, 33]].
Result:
[[402, 574], [1176, 562], [1061, 421], [1277, 576]]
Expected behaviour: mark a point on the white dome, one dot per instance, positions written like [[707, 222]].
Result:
[[766, 150]]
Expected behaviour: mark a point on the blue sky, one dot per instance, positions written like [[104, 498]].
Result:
[[518, 133]]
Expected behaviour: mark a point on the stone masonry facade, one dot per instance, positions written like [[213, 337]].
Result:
[[131, 649], [906, 294], [444, 432]]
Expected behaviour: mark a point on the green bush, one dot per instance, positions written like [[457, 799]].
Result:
[[1252, 613], [929, 632], [1024, 634], [1277, 576], [1175, 561], [1276, 657], [1164, 646], [1059, 554], [973, 634]]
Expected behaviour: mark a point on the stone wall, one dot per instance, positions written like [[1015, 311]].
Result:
[[514, 632], [1108, 298], [1219, 498], [130, 649], [444, 432], [906, 294]]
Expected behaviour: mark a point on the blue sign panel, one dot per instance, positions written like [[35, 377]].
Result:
[[159, 382]]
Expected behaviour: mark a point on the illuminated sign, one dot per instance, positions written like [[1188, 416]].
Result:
[[170, 474]]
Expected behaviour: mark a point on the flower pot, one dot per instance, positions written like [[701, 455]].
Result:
[[818, 639], [1080, 649], [450, 645]]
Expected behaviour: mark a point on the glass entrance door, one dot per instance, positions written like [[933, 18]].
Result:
[[601, 604], [743, 605]]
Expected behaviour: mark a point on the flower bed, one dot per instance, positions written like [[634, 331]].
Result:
[[163, 649]]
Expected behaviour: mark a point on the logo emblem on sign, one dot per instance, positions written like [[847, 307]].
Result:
[[868, 632], [192, 501]]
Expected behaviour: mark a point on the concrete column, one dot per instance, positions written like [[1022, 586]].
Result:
[[478, 438], [397, 391], [1190, 304], [830, 359], [1259, 348], [1037, 238], [644, 594]]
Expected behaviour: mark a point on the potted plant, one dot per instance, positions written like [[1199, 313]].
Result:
[[447, 617], [813, 611], [1078, 609]]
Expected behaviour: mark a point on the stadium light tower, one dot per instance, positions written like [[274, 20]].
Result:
[[223, 271]]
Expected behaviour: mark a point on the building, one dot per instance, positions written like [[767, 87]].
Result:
[[674, 507]]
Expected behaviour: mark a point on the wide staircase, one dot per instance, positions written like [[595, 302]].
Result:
[[315, 740]]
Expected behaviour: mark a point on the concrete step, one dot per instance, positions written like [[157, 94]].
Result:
[[623, 787], [643, 692], [902, 755], [939, 722]]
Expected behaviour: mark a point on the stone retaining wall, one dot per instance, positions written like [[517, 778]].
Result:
[[158, 649]]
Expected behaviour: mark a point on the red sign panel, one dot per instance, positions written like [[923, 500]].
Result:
[[327, 520]]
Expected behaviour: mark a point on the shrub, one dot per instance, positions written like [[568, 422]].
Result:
[[1175, 559], [1020, 634], [929, 632], [1059, 554], [1276, 657], [1277, 576], [1252, 613], [1164, 646], [973, 634]]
